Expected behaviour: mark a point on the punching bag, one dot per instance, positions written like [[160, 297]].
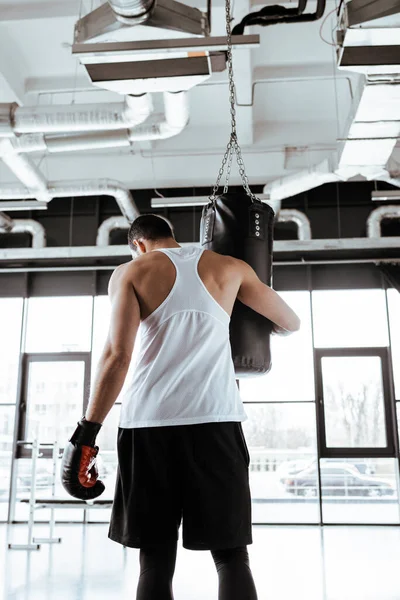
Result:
[[235, 225]]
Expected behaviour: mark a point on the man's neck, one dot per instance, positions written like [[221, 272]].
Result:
[[164, 244]]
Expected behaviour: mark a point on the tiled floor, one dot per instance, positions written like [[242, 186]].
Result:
[[296, 563]]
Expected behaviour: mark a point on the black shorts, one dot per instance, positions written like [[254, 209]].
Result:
[[195, 473]]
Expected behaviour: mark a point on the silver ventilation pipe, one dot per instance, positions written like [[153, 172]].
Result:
[[288, 215], [6, 222], [107, 226], [25, 170], [66, 189], [176, 106], [377, 216], [35, 229], [175, 119], [131, 8], [103, 187], [83, 117]]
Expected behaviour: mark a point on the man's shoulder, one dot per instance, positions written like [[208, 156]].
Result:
[[224, 259]]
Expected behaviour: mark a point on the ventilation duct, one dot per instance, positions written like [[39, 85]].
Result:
[[288, 186], [377, 216], [132, 8], [175, 119], [109, 225], [301, 221], [25, 170], [35, 229], [116, 15], [83, 117], [102, 187], [6, 222]]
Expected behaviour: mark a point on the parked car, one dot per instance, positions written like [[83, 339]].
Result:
[[337, 479]]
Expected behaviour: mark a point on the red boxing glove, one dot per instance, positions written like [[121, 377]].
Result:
[[79, 472]]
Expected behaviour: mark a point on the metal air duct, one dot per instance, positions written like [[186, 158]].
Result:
[[131, 8], [66, 189], [25, 170], [302, 222], [84, 117], [109, 225], [174, 120], [377, 216], [35, 229], [6, 222]]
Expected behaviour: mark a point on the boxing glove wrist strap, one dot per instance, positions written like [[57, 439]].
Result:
[[85, 433]]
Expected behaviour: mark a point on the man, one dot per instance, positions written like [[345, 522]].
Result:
[[181, 448]]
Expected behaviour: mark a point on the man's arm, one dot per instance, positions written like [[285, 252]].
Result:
[[114, 362], [264, 300]]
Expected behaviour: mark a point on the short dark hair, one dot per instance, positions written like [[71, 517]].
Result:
[[149, 227]]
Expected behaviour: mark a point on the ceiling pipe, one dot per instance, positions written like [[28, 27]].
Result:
[[25, 170], [107, 226], [294, 184], [66, 189], [174, 120], [84, 117], [288, 215], [35, 229], [176, 107], [131, 8], [377, 216], [6, 222]]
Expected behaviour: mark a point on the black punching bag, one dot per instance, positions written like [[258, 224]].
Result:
[[233, 224]]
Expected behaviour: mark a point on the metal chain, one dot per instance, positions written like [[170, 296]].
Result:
[[233, 144]]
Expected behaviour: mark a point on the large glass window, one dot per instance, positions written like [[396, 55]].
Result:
[[59, 324], [359, 490], [55, 394], [292, 375], [7, 416], [353, 401], [11, 322], [350, 318], [394, 319], [282, 442]]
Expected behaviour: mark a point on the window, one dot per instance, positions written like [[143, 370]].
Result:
[[7, 416], [11, 322], [51, 414], [353, 401], [359, 490], [350, 318], [394, 319], [292, 375], [281, 439], [59, 324]]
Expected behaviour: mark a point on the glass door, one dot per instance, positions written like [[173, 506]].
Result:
[[358, 470]]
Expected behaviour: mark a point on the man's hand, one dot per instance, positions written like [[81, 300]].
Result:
[[79, 472]]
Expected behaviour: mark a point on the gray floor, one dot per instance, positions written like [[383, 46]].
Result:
[[334, 563]]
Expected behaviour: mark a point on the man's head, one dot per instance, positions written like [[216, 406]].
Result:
[[148, 232]]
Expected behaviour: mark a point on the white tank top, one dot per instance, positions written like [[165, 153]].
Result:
[[182, 371]]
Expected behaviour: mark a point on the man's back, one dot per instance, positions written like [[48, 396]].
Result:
[[153, 276], [183, 371]]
